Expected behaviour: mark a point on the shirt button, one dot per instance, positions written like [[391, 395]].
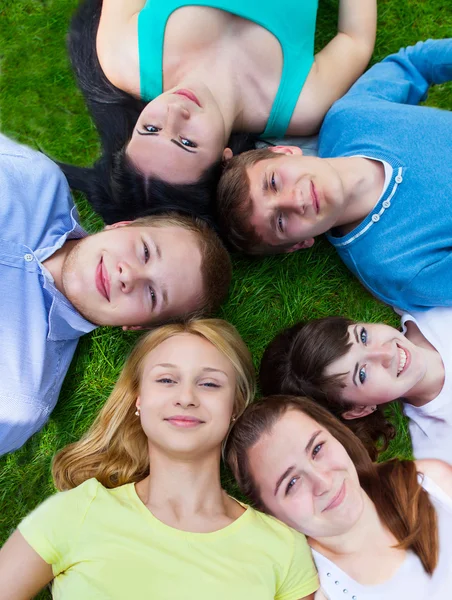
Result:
[[399, 179], [28, 257], [375, 218], [345, 591], [336, 582], [386, 203]]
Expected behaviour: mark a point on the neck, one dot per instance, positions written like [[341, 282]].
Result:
[[431, 384], [183, 487], [356, 540], [362, 181], [54, 264]]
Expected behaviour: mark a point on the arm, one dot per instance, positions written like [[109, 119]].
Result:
[[338, 65], [439, 471], [406, 76], [22, 571]]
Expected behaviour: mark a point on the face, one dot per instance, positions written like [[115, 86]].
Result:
[[381, 365], [178, 136], [294, 198], [134, 275], [306, 477], [186, 395]]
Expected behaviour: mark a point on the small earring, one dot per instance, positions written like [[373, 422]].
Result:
[[137, 412], [374, 408], [233, 419]]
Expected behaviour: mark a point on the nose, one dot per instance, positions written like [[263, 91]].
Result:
[[186, 397], [321, 482], [292, 200], [128, 277], [176, 114], [383, 354]]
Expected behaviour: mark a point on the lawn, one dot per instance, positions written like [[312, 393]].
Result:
[[41, 106]]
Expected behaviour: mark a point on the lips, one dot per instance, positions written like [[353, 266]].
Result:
[[102, 280], [404, 360], [188, 94], [184, 421], [337, 499], [315, 199]]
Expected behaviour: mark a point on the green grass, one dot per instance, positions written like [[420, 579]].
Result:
[[41, 106]]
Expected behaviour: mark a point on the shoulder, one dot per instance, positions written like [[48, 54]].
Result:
[[438, 471]]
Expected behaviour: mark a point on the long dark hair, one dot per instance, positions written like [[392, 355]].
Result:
[[295, 362], [402, 504], [113, 186]]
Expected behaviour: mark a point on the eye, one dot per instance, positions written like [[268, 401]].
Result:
[[165, 380], [153, 296], [151, 128], [290, 485], [317, 449], [363, 335], [146, 252], [280, 223], [210, 384], [273, 182], [189, 143], [362, 374]]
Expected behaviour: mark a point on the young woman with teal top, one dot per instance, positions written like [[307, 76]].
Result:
[[205, 70]]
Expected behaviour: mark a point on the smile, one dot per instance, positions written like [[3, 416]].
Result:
[[404, 360], [189, 95], [315, 200], [184, 421], [337, 499], [102, 280]]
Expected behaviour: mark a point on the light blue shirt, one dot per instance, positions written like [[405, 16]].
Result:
[[39, 327], [402, 251]]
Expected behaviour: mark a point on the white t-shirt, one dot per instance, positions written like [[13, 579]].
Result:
[[431, 424], [410, 581]]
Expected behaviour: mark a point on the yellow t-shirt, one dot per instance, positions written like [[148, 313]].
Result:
[[105, 544]]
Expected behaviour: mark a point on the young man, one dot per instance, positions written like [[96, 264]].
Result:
[[382, 186], [57, 283]]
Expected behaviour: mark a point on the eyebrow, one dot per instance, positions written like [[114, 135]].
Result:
[[355, 371], [174, 141], [289, 470], [173, 366]]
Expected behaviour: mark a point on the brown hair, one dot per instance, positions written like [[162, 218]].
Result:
[[295, 363], [114, 450], [234, 203], [402, 504], [216, 268]]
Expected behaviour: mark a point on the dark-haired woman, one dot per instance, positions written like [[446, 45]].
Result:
[[173, 80], [376, 530], [354, 369]]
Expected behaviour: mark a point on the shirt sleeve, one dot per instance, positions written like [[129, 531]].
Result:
[[19, 419], [406, 76], [431, 287], [52, 529], [301, 579]]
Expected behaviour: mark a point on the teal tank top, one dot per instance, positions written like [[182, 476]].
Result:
[[293, 25]]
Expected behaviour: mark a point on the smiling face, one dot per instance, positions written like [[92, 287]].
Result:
[[306, 477], [294, 198], [381, 365], [187, 395], [178, 136], [134, 275]]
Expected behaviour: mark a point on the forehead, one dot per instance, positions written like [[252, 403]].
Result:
[[286, 441], [187, 350]]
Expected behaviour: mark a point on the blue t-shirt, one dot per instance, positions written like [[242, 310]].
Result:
[[402, 251]]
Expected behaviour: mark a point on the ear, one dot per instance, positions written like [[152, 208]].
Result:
[[116, 225], [138, 402], [286, 150], [135, 328], [358, 411], [227, 155], [301, 245]]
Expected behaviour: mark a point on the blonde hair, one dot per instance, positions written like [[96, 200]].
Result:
[[115, 450]]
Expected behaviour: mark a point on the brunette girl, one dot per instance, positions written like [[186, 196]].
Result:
[[376, 530]]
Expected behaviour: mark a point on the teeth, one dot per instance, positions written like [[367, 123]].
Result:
[[402, 360]]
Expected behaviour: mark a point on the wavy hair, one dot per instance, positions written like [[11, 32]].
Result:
[[295, 362], [114, 450], [402, 504]]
